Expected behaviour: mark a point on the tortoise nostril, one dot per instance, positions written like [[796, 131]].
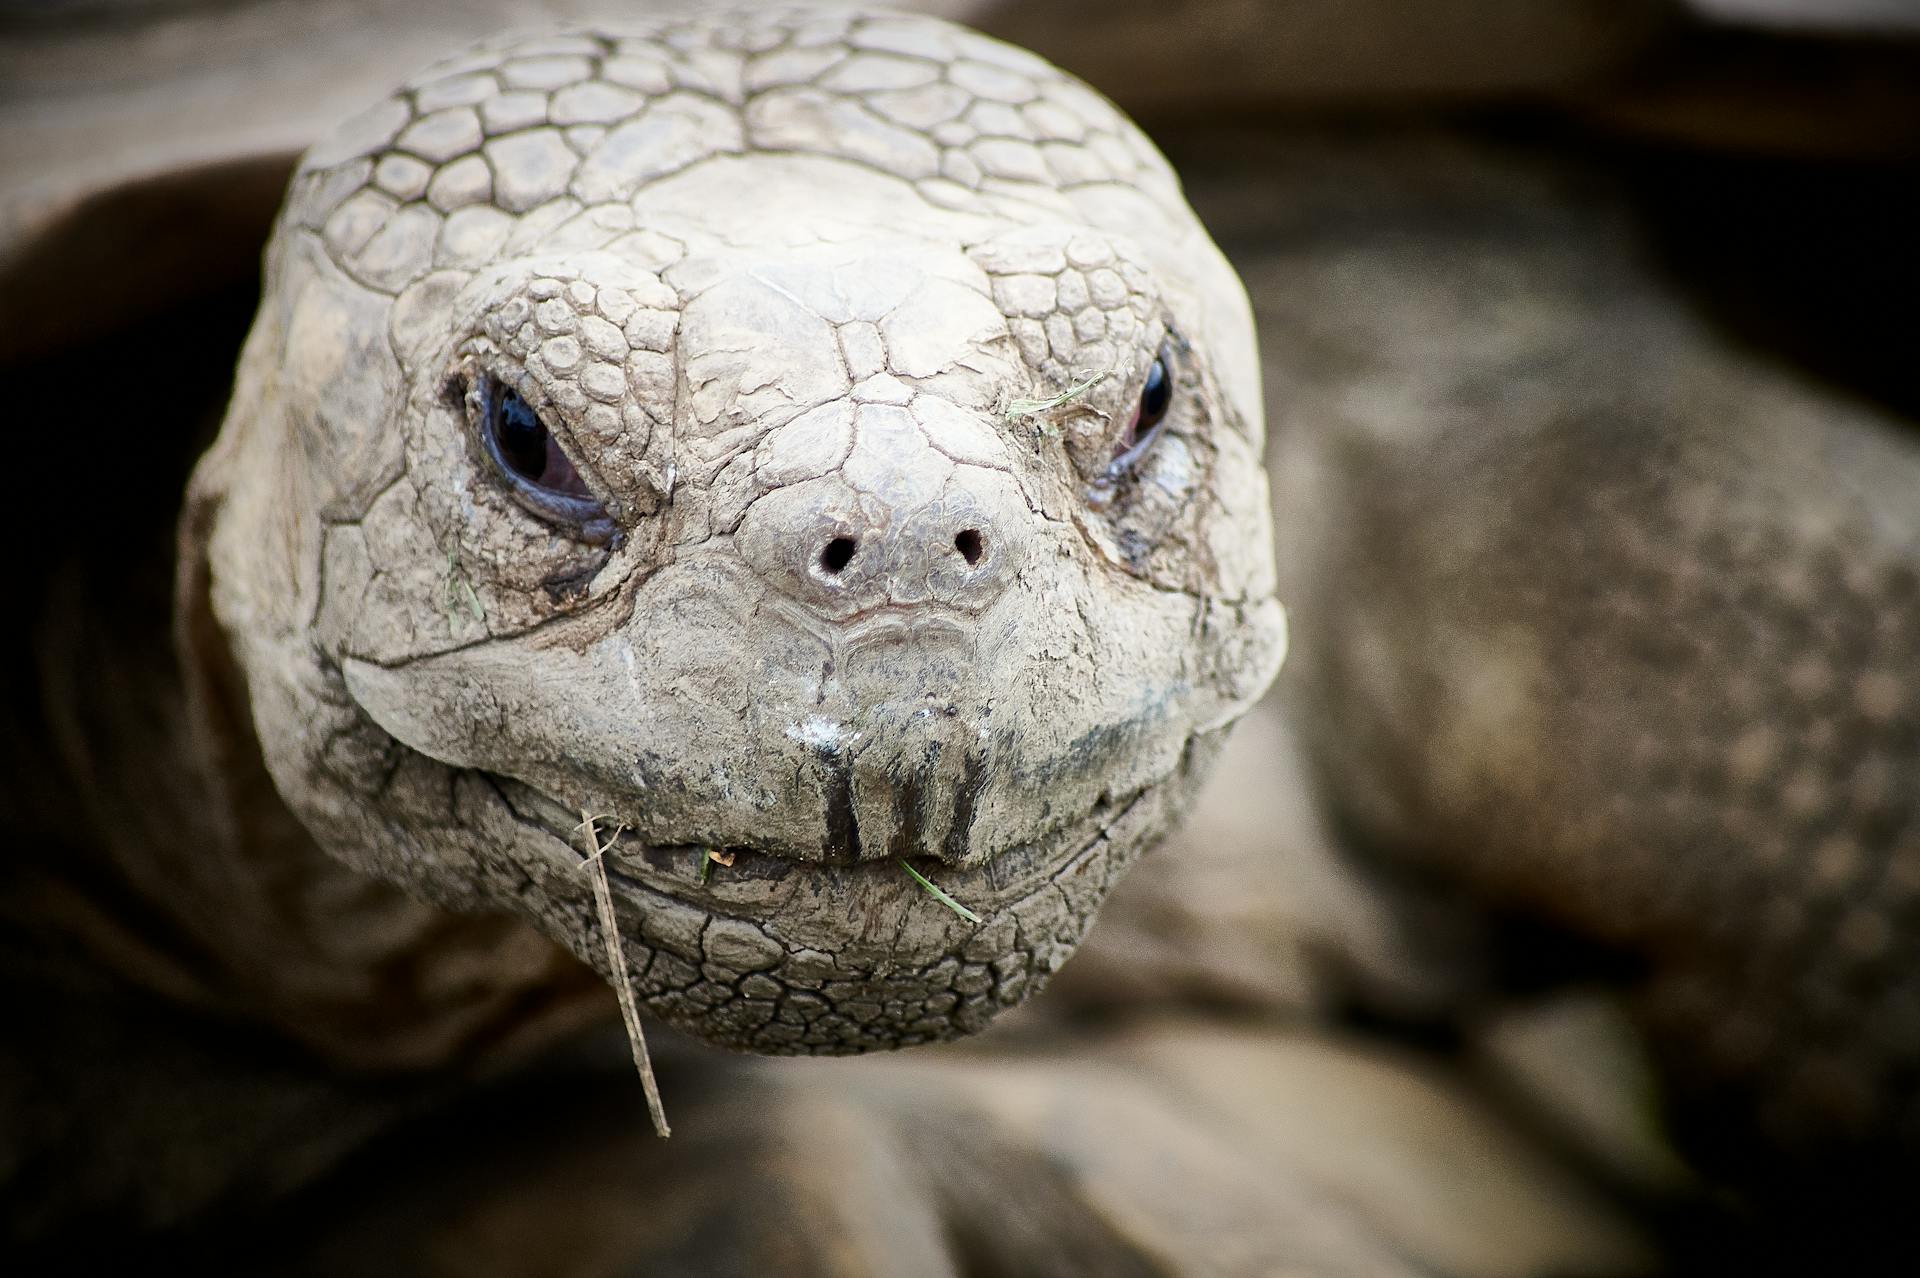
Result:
[[971, 546], [838, 554]]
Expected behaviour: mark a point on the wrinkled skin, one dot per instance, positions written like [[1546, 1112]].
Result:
[[773, 285], [1614, 623]]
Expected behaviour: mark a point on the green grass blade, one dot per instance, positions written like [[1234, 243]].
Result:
[[939, 894]]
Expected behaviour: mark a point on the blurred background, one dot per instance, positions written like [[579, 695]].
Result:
[[1282, 1049]]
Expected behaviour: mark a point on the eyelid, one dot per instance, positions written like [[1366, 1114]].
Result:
[[1125, 461], [1120, 465], [585, 518]]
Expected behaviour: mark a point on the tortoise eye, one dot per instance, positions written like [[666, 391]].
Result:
[[537, 472], [522, 444], [1156, 396]]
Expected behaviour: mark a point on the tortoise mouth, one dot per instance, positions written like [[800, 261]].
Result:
[[781, 956], [702, 874]]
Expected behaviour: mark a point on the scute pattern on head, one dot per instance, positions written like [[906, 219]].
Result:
[[563, 126], [772, 282]]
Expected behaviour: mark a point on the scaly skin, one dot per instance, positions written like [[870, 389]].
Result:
[[1616, 625], [770, 281]]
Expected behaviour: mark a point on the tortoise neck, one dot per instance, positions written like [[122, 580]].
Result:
[[162, 856]]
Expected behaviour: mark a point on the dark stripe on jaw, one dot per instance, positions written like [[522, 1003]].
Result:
[[843, 827], [910, 793], [966, 799]]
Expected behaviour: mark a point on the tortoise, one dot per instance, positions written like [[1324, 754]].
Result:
[[410, 569]]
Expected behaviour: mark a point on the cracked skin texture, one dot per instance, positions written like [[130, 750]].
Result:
[[770, 281], [1630, 653]]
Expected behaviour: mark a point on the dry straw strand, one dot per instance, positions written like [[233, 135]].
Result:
[[617, 960]]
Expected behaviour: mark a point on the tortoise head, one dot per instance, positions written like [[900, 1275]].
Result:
[[812, 448]]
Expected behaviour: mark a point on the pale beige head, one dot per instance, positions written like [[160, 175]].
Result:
[[651, 424]]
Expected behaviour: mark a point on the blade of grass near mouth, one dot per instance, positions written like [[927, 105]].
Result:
[[622, 984], [939, 894]]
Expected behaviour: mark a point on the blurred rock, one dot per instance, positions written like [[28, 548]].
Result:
[[1206, 55], [1179, 1148], [1805, 15], [1576, 1064]]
